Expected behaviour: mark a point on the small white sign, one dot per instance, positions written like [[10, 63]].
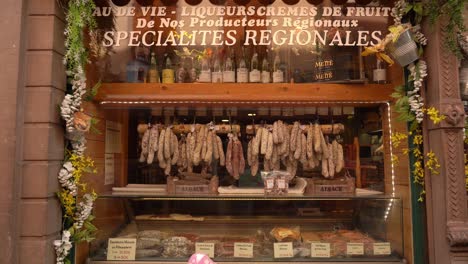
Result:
[[320, 250], [283, 250], [243, 250], [205, 248], [355, 249], [113, 134], [109, 164], [121, 249], [382, 248]]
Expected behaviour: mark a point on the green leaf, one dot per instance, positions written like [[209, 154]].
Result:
[[396, 95], [408, 8], [418, 8]]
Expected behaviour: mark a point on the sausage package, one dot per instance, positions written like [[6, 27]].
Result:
[[276, 182]]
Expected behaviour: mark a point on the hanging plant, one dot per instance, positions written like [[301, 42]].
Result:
[[76, 201]]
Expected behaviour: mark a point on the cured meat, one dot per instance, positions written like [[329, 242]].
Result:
[[303, 158], [161, 159], [198, 146], [235, 159], [325, 168], [254, 167], [323, 145], [331, 163], [292, 143], [310, 141], [275, 132], [241, 157], [222, 159], [190, 150], [144, 146], [209, 148], [256, 144], [215, 146], [264, 143], [284, 149], [249, 153], [317, 142], [269, 148], [167, 169], [298, 148], [175, 147], [340, 159], [167, 144], [229, 155], [280, 131]]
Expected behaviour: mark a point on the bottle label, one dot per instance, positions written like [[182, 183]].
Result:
[[153, 76], [229, 77], [380, 75], [254, 76], [265, 76], [168, 76], [217, 77], [278, 77], [205, 76], [242, 75]]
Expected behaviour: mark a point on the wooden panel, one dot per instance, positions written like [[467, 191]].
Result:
[[284, 92]]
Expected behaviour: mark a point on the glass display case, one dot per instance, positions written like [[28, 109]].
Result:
[[355, 229]]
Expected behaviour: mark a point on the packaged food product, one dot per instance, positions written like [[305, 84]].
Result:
[[285, 234]]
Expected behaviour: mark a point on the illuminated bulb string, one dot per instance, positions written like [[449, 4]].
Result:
[[389, 117]]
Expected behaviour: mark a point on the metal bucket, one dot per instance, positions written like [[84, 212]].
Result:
[[404, 50]]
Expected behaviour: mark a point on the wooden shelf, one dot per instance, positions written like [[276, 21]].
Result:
[[232, 93]]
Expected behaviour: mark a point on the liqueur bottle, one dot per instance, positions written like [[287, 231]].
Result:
[[137, 69], [229, 75], [217, 74], [254, 74], [278, 74], [168, 71], [191, 71], [379, 74], [266, 72], [205, 73], [242, 71], [181, 73], [153, 73]]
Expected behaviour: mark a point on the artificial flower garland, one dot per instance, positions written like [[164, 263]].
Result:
[[77, 215], [410, 104]]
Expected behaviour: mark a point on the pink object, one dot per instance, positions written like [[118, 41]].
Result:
[[198, 258]]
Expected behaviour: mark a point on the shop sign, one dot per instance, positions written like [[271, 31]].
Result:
[[121, 249], [209, 25]]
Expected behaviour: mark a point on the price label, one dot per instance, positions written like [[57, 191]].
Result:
[[283, 250], [205, 248], [243, 250], [320, 250], [382, 249], [121, 249], [355, 249]]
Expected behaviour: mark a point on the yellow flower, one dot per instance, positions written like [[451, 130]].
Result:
[[434, 115]]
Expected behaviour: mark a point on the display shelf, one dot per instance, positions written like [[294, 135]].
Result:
[[131, 94], [292, 197], [355, 260]]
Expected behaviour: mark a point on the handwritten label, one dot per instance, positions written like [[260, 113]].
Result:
[[121, 249], [355, 249], [382, 249], [283, 250], [205, 248], [320, 250], [243, 250]]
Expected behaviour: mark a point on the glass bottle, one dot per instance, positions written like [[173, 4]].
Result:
[[278, 74], [379, 74], [205, 73], [191, 71], [266, 72], [217, 74], [168, 71], [254, 74], [181, 73], [153, 73], [229, 75], [242, 71]]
